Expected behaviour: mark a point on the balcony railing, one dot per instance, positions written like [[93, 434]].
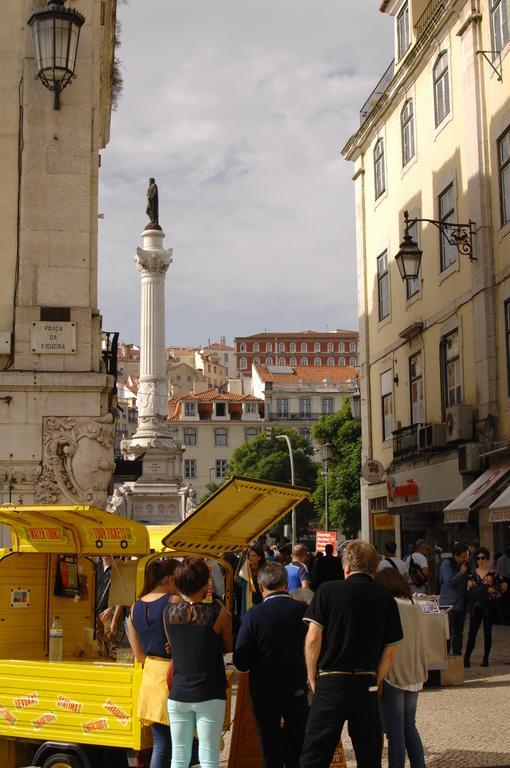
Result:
[[429, 16], [296, 416], [377, 93], [405, 442]]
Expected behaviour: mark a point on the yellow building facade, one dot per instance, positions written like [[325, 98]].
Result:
[[434, 140]]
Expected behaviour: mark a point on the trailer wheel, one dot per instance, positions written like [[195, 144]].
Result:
[[61, 760]]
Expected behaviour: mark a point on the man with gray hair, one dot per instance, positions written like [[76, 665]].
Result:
[[270, 645], [354, 626]]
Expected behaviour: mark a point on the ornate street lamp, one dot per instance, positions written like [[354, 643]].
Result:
[[56, 32], [355, 401], [409, 256]]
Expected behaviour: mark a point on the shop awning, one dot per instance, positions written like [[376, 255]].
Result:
[[238, 513], [499, 510], [458, 510]]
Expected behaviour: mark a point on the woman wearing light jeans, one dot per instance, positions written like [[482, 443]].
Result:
[[199, 633], [405, 679]]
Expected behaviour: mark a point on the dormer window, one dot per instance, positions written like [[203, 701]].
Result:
[[403, 38], [220, 409], [190, 409]]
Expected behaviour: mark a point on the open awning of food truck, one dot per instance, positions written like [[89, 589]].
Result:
[[82, 530], [236, 514]]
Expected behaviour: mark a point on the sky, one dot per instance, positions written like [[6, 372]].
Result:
[[239, 109]]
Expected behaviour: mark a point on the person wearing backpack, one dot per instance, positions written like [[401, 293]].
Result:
[[418, 572], [389, 559]]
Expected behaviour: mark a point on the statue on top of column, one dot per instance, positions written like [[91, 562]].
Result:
[[152, 210]]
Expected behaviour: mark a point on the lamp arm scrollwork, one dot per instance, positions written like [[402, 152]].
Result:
[[459, 235]]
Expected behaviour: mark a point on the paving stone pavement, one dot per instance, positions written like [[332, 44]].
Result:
[[465, 726]]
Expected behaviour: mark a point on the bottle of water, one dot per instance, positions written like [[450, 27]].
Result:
[[56, 640]]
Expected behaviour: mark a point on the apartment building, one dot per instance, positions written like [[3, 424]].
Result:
[[434, 140], [304, 348]]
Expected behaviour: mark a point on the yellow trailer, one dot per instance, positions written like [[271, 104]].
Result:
[[65, 714]]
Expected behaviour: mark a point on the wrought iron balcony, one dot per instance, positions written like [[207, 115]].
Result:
[[429, 16], [405, 442], [377, 93], [295, 416]]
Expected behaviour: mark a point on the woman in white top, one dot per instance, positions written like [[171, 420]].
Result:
[[405, 679]]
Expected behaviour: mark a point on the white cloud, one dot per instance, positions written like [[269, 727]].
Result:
[[239, 109]]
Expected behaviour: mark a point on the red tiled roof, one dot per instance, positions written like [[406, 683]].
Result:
[[214, 394], [312, 373], [219, 346]]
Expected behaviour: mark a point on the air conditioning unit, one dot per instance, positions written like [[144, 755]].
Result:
[[469, 458], [431, 436], [459, 423]]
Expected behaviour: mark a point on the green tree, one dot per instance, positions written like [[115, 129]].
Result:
[[343, 433], [264, 459]]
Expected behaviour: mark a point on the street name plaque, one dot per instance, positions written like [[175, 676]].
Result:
[[53, 338]]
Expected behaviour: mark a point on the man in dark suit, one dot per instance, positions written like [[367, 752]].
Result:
[[327, 568], [270, 645]]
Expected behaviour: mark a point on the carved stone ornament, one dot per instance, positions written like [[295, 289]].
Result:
[[19, 473], [153, 261], [77, 460]]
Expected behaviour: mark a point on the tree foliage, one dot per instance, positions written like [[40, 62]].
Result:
[[344, 503]]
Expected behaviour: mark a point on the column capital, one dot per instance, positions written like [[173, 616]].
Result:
[[153, 261]]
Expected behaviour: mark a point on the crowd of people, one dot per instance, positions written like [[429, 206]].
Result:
[[340, 635]]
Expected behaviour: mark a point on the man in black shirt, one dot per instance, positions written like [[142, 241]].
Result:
[[327, 568], [270, 645], [354, 627]]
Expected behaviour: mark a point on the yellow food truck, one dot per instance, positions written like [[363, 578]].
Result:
[[81, 712]]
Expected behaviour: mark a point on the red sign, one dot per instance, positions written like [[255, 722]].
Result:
[[323, 538], [405, 491]]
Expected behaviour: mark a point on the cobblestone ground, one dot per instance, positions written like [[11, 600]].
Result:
[[465, 726]]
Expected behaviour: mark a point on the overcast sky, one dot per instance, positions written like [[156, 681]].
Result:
[[239, 108]]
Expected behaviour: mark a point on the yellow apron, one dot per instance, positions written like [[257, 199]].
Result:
[[153, 699]]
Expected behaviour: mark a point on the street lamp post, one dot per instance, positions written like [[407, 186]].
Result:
[[325, 453], [270, 435]]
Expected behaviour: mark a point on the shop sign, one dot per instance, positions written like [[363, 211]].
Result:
[[403, 492], [372, 471], [323, 538], [383, 522]]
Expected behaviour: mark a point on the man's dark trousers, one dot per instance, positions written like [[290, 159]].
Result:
[[281, 745], [339, 698]]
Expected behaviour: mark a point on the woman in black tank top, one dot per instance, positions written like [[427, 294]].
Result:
[[199, 633]]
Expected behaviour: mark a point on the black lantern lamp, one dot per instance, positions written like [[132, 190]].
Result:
[[56, 32], [409, 256], [355, 401]]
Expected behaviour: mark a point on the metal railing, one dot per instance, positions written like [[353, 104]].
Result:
[[429, 16], [377, 93], [405, 442], [295, 416]]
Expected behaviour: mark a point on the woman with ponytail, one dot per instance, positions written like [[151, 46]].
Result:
[[149, 644]]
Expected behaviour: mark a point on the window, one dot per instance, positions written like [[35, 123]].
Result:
[[256, 361], [317, 361], [352, 347], [413, 286], [251, 407], [256, 347], [305, 407], [506, 308], [243, 364], [317, 347], [304, 346], [293, 361], [387, 404], [450, 369], [407, 131], [242, 348], [190, 409], [190, 436], [416, 389], [341, 361], [441, 88], [282, 361], [352, 361], [383, 285], [504, 175], [330, 347], [190, 469], [341, 347], [292, 346], [499, 25], [403, 31], [282, 407], [379, 171], [446, 204], [220, 409], [269, 361], [251, 432], [281, 347], [304, 361], [326, 406], [221, 468], [220, 436], [269, 347], [331, 360]]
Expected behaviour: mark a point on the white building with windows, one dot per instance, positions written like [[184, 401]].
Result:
[[434, 140]]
